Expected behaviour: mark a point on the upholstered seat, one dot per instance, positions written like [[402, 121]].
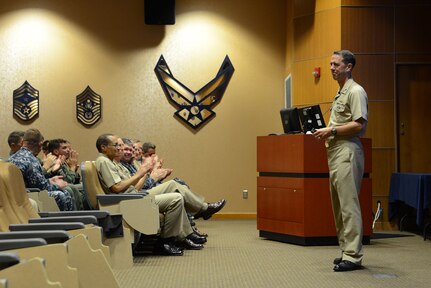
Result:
[[140, 214], [15, 208]]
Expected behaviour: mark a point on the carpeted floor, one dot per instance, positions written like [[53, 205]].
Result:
[[235, 256]]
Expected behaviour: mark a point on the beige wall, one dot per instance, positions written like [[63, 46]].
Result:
[[60, 47]]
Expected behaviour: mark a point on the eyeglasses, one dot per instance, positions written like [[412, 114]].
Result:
[[116, 145]]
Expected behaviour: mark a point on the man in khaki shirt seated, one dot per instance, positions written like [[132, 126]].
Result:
[[176, 232]]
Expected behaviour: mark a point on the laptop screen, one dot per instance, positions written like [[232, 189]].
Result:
[[290, 120], [311, 118]]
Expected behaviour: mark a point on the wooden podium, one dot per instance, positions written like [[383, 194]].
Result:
[[293, 198]]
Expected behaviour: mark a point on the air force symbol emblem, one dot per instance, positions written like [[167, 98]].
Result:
[[194, 109]]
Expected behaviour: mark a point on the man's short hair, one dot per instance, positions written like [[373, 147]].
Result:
[[32, 136], [348, 57], [15, 137], [103, 140], [127, 141], [147, 146], [55, 144]]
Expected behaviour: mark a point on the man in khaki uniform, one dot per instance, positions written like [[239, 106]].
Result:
[[176, 232], [348, 121]]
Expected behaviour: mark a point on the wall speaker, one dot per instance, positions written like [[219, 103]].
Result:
[[159, 12]]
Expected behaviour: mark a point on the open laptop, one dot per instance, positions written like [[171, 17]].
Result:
[[290, 120], [311, 118]]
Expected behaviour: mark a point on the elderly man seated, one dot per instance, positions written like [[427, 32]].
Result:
[[176, 232]]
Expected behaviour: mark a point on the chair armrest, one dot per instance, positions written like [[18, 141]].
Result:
[[8, 259], [116, 198], [32, 189], [99, 214], [111, 224], [12, 244], [47, 226], [51, 237], [82, 219]]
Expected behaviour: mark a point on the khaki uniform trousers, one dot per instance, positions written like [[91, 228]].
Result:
[[176, 223], [192, 201], [346, 168]]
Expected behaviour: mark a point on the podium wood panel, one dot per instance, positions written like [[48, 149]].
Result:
[[298, 153], [293, 198]]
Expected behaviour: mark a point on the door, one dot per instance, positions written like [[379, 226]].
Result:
[[414, 117]]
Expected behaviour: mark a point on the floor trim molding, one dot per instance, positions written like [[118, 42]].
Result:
[[234, 216]]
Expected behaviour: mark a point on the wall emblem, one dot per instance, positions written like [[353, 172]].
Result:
[[88, 107], [26, 102], [194, 108]]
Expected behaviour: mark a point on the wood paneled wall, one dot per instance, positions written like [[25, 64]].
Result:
[[382, 34]]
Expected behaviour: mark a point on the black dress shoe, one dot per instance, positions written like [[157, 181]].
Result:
[[197, 239], [167, 249], [199, 233], [189, 244], [337, 260], [346, 265], [211, 210]]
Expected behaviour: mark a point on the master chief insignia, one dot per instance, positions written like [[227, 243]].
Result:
[[194, 109], [88, 107], [26, 102]]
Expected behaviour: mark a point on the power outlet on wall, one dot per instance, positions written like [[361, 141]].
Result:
[[244, 194]]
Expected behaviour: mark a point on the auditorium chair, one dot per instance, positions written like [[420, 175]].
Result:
[[91, 264], [140, 214], [20, 211], [88, 267], [18, 273], [55, 255], [43, 200]]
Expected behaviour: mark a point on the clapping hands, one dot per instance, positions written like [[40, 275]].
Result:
[[53, 163]]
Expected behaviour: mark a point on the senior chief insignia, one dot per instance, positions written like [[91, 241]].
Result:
[[26, 102], [194, 108]]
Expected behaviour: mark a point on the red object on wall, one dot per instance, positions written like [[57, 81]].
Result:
[[316, 72]]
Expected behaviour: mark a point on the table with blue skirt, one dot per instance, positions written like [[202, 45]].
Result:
[[414, 190]]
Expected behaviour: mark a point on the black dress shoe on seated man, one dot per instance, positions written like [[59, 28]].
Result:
[[189, 244], [346, 265], [211, 210], [198, 232], [167, 247], [337, 260], [196, 238]]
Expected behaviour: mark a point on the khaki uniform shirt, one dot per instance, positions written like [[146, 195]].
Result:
[[350, 104], [110, 173]]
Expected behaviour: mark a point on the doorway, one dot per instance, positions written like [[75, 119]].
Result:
[[414, 117]]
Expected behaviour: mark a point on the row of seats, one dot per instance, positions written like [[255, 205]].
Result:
[[84, 255], [140, 215]]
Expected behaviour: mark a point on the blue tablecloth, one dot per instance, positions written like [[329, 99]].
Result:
[[413, 189]]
